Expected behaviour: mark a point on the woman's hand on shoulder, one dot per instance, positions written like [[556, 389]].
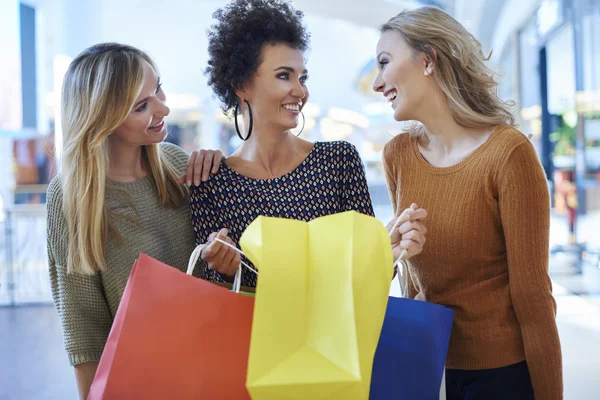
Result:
[[200, 165]]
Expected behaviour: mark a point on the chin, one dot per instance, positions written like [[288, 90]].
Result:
[[401, 116], [288, 127], [158, 137]]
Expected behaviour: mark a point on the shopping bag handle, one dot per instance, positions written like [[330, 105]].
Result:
[[402, 274], [400, 264], [237, 281], [401, 268]]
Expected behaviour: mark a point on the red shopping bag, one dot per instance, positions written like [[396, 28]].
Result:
[[175, 337]]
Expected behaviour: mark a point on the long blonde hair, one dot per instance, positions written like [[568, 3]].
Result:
[[468, 84], [99, 91]]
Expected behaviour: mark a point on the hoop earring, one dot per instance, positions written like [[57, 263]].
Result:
[[237, 128], [303, 123]]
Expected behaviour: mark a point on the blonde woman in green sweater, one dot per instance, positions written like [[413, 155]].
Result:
[[120, 193]]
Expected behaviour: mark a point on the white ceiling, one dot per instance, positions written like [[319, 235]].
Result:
[[180, 31], [478, 16], [371, 13]]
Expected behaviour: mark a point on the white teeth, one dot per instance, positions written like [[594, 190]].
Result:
[[391, 96], [292, 107], [156, 126]]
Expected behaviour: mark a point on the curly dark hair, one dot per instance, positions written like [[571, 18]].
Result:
[[235, 42]]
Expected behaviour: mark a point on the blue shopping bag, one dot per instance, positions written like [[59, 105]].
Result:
[[411, 354]]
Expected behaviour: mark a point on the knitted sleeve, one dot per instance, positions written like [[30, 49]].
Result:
[[524, 204], [79, 299], [391, 157], [177, 156]]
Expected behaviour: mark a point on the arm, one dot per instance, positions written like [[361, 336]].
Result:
[[525, 213], [205, 221], [355, 191], [391, 178], [218, 262], [79, 299], [84, 313], [84, 374]]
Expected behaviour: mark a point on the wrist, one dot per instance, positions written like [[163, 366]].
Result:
[[227, 278]]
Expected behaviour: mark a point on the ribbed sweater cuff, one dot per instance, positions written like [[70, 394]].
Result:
[[80, 358]]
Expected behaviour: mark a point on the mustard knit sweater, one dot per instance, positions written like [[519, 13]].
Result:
[[487, 251]]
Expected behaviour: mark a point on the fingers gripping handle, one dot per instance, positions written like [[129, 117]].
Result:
[[237, 281]]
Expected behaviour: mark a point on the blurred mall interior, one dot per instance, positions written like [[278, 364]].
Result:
[[547, 53]]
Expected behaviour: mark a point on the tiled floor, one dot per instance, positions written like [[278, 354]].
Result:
[[33, 364], [579, 329]]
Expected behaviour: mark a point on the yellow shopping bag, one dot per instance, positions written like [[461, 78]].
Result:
[[319, 307]]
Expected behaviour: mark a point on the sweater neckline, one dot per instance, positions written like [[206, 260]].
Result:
[[460, 165], [139, 186]]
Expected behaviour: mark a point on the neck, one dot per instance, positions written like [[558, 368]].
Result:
[[268, 148], [125, 162], [442, 132]]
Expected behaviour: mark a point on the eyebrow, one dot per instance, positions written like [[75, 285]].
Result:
[[146, 98], [289, 69]]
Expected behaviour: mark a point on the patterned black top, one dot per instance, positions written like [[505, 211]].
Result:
[[330, 180]]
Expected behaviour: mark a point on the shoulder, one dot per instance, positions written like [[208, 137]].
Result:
[[510, 144], [56, 224], [510, 137], [398, 145], [54, 195], [338, 150], [175, 155], [398, 142], [173, 151]]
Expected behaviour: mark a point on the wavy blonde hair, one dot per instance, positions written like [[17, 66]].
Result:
[[460, 67], [99, 92]]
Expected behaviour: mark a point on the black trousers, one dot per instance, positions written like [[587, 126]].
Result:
[[507, 383]]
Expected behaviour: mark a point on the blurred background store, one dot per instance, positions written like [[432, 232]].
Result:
[[547, 52]]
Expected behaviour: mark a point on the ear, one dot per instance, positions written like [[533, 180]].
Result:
[[429, 62], [241, 94]]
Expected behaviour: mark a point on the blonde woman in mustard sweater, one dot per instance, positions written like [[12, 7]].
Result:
[[489, 209]]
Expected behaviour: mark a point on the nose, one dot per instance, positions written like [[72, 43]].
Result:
[[163, 110], [298, 91], [378, 84]]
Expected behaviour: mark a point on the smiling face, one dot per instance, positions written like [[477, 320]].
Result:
[[145, 124], [277, 91], [404, 76]]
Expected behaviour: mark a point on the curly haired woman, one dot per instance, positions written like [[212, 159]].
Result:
[[256, 68]]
